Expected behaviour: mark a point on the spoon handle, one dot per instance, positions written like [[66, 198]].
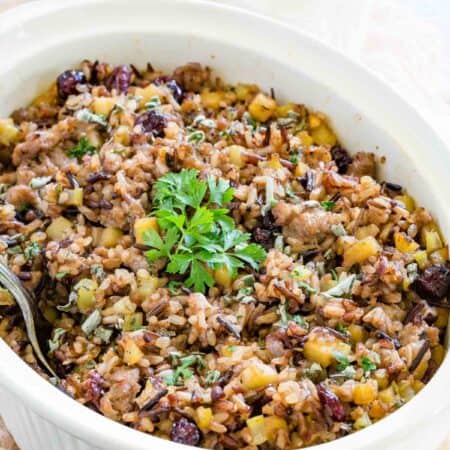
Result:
[[28, 307]]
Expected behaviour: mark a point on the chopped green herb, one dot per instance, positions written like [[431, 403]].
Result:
[[85, 115], [153, 103], [232, 348], [98, 272], [328, 205], [174, 287], [203, 121], [92, 322], [367, 364], [338, 230], [56, 341], [341, 328], [61, 275], [285, 318], [14, 250], [183, 372], [197, 137], [82, 148], [294, 159], [343, 287], [334, 274], [70, 303], [212, 376], [341, 361], [306, 287], [196, 233], [39, 182], [32, 250]]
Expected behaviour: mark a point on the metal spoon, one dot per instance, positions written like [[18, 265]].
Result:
[[28, 305]]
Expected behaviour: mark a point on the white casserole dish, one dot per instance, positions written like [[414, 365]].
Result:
[[39, 40]]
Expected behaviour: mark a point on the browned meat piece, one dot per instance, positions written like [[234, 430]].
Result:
[[363, 164], [304, 225]]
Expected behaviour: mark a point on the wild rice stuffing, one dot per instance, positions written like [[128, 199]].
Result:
[[216, 268]]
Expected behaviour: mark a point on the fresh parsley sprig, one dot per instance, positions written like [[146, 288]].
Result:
[[197, 234]]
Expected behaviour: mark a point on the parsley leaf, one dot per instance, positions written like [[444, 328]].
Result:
[[341, 361], [83, 147], [328, 205], [183, 372], [197, 234], [367, 364]]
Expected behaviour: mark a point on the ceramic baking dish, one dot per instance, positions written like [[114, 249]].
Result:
[[40, 39]]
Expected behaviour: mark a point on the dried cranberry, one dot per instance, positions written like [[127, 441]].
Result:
[[177, 92], [341, 158], [93, 386], [216, 393], [67, 82], [120, 79], [264, 233], [331, 403], [185, 432], [152, 122], [433, 283]]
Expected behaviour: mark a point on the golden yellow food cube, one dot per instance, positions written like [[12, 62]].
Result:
[[204, 417], [322, 348], [257, 428], [258, 375], [59, 228], [262, 107], [132, 353], [272, 424], [146, 93], [357, 333], [8, 132], [103, 105], [323, 135], [284, 110], [132, 322], [141, 226], [223, 277], [212, 100], [404, 243], [75, 197], [235, 155], [110, 237], [407, 201], [360, 251], [365, 393], [86, 289], [6, 299]]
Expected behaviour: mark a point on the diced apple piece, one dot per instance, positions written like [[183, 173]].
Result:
[[103, 105], [365, 393], [59, 228], [8, 132], [404, 243], [86, 289], [322, 347], [262, 107], [257, 428], [132, 322], [110, 237], [141, 226], [132, 353], [258, 375], [361, 251], [223, 277]]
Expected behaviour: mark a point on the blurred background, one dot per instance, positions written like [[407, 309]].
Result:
[[406, 42]]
